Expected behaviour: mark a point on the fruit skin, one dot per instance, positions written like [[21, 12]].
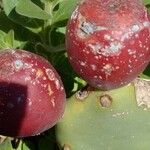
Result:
[[32, 96], [108, 41]]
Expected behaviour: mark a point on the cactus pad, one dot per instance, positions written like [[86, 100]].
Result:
[[107, 120]]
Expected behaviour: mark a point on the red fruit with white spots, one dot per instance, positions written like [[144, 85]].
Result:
[[32, 97], [108, 41]]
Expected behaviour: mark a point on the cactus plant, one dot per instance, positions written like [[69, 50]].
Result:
[[98, 120]]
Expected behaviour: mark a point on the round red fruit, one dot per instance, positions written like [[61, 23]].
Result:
[[108, 41], [32, 96]]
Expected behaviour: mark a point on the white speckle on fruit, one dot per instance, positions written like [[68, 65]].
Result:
[[95, 77], [100, 77], [96, 57], [26, 65], [129, 66], [70, 58], [13, 51], [53, 102], [44, 85], [113, 48], [95, 48], [125, 36], [83, 63], [146, 24], [18, 64], [93, 67], [33, 83], [27, 78], [147, 48], [141, 45], [44, 78], [107, 69], [39, 73], [50, 74], [135, 28], [75, 14], [136, 35], [50, 92], [62, 88], [30, 103], [33, 70], [57, 84], [131, 52], [117, 67], [134, 56], [107, 37]]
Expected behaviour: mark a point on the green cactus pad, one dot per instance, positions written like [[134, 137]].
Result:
[[111, 120]]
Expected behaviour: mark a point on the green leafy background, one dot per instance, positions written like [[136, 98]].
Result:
[[39, 26]]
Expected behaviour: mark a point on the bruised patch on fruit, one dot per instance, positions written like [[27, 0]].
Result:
[[39, 73], [50, 92], [106, 101], [86, 29]]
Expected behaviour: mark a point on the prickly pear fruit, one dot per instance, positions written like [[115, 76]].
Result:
[[108, 120], [32, 97], [108, 41]]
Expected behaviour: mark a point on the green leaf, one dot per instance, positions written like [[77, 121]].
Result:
[[146, 2], [9, 38], [22, 146], [31, 11], [65, 9], [6, 145], [9, 5], [22, 35], [2, 34], [3, 43], [33, 25]]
